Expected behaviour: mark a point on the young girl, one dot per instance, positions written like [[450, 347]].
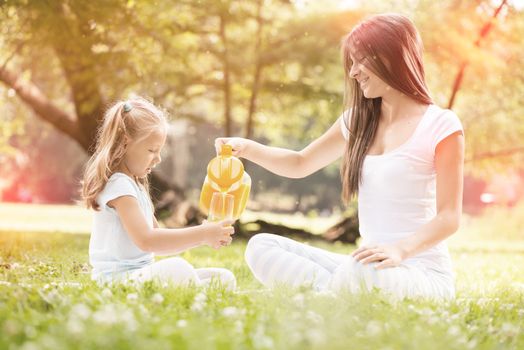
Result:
[[403, 156], [125, 233]]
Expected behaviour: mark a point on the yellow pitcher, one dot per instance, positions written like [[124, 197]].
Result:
[[225, 174]]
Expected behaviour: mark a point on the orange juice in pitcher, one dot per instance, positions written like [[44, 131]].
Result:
[[225, 174]]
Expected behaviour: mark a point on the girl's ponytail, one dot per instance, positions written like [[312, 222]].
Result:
[[110, 149], [123, 122]]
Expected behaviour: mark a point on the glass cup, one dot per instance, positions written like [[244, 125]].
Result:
[[221, 207]]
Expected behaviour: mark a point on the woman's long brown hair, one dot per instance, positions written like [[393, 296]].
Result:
[[390, 46]]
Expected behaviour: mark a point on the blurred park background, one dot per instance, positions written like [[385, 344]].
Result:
[[264, 69], [269, 70]]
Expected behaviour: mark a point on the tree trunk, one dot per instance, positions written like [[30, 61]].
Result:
[[346, 231], [227, 84], [256, 75]]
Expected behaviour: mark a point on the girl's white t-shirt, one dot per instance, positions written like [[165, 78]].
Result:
[[111, 249], [398, 190]]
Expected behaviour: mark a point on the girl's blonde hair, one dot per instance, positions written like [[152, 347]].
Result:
[[133, 119]]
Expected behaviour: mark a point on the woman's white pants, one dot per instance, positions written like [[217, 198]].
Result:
[[276, 260]]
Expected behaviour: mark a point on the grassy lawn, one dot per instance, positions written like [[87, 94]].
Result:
[[47, 300]]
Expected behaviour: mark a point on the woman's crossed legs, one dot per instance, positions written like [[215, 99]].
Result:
[[279, 260]]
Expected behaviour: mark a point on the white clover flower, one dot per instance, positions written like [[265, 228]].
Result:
[[132, 297], [197, 307], [373, 328], [433, 320], [426, 311], [128, 319], [75, 326], [85, 268], [507, 306], [454, 317], [327, 293], [30, 345], [181, 323], [199, 303], [107, 315], [52, 297], [509, 330], [239, 326], [201, 297], [261, 340], [454, 330], [518, 285], [81, 311], [70, 284], [298, 299], [30, 331], [314, 317], [230, 311], [316, 337], [106, 293], [472, 344], [157, 298], [483, 301], [296, 337]]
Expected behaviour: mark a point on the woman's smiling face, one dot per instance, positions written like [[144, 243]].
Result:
[[370, 84]]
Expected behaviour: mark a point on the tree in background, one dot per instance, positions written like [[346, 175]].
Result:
[[263, 69], [189, 56]]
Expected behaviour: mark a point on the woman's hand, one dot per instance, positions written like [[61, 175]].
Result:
[[218, 234], [388, 255], [238, 144]]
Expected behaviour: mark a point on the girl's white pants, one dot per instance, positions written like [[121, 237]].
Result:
[[179, 272]]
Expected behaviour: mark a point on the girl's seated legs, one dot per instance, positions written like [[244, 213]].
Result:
[[180, 272], [210, 275]]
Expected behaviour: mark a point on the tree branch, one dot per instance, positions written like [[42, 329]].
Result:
[[483, 33], [228, 124], [28, 92]]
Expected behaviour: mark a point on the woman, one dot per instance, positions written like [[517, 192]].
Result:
[[403, 158]]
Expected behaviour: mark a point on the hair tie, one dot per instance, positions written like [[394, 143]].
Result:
[[127, 107]]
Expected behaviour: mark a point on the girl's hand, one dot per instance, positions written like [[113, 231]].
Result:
[[239, 145], [218, 234], [388, 255]]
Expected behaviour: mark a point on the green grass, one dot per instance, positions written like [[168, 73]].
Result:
[[47, 300]]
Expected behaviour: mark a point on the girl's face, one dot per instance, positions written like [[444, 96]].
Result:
[[144, 154], [370, 84]]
